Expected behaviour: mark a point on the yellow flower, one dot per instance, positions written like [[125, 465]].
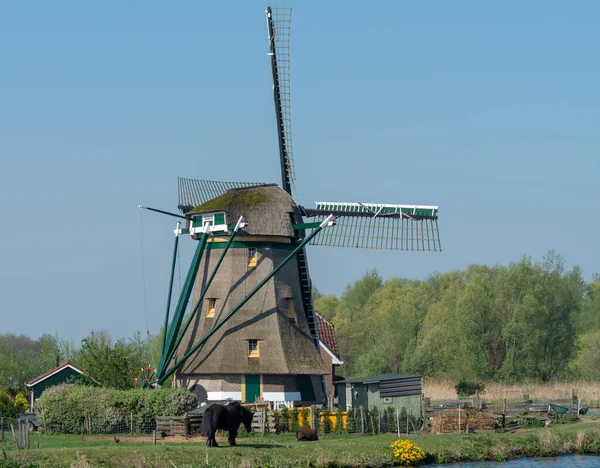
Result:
[[407, 452]]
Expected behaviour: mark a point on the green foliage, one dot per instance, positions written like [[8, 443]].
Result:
[[7, 408], [482, 323], [284, 422], [530, 422], [7, 462], [293, 420], [317, 422], [466, 388], [22, 359], [326, 305], [20, 403], [61, 408], [326, 424]]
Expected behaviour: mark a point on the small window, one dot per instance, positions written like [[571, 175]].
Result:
[[291, 313], [388, 400], [252, 257], [253, 351], [211, 305]]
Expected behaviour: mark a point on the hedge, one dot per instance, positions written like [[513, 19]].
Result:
[[63, 407]]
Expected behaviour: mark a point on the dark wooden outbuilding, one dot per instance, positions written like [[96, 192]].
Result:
[[381, 391], [56, 376]]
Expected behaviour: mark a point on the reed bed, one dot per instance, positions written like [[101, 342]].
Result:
[[438, 389]]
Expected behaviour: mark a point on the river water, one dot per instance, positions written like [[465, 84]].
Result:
[[567, 461]]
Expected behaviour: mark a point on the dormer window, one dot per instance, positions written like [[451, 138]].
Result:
[[252, 257], [211, 306], [253, 350]]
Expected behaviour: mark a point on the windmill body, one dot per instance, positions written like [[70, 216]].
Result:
[[250, 332], [267, 349]]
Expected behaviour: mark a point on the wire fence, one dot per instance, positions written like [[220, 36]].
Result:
[[354, 421], [124, 423], [357, 420], [15, 430]]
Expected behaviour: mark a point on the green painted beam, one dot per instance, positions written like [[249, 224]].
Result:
[[168, 213], [182, 303], [204, 290], [305, 226], [173, 262], [164, 376]]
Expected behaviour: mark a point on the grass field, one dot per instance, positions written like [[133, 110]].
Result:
[[284, 450], [496, 392]]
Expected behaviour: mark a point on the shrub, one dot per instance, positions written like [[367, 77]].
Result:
[[20, 404], [465, 388], [293, 420], [326, 426], [407, 453], [7, 409], [62, 408], [530, 422]]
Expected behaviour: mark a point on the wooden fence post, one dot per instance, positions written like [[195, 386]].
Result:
[[2, 429], [12, 429], [362, 420], [131, 421], [154, 437], [574, 401]]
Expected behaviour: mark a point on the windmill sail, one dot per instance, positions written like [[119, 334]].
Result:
[[379, 226], [278, 24], [194, 192]]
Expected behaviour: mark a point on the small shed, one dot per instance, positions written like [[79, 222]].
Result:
[[381, 391], [60, 374]]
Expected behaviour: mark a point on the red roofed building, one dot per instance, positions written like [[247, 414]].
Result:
[[329, 351]]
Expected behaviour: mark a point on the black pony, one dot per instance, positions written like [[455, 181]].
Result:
[[226, 417]]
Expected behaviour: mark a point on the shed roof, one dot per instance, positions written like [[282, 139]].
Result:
[[327, 334], [379, 378], [51, 372]]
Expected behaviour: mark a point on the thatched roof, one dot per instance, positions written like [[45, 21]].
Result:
[[267, 209], [286, 346]]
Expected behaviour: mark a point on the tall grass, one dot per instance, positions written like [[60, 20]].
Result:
[[438, 389]]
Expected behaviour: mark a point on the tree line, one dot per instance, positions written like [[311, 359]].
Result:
[[527, 320], [108, 362]]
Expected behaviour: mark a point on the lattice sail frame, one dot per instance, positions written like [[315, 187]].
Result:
[[194, 192], [379, 226], [279, 44]]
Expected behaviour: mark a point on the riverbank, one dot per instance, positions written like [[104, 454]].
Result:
[[279, 451]]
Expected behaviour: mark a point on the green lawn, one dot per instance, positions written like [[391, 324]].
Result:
[[284, 450]]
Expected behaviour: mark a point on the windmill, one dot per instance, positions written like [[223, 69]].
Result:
[[251, 331]]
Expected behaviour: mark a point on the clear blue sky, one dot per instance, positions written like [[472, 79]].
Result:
[[488, 110]]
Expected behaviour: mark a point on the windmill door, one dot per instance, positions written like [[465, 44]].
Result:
[[252, 391]]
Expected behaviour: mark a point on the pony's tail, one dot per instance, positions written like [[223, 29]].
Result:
[[207, 422]]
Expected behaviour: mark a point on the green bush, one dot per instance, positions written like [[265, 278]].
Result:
[[466, 388], [7, 408], [62, 408], [530, 422]]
